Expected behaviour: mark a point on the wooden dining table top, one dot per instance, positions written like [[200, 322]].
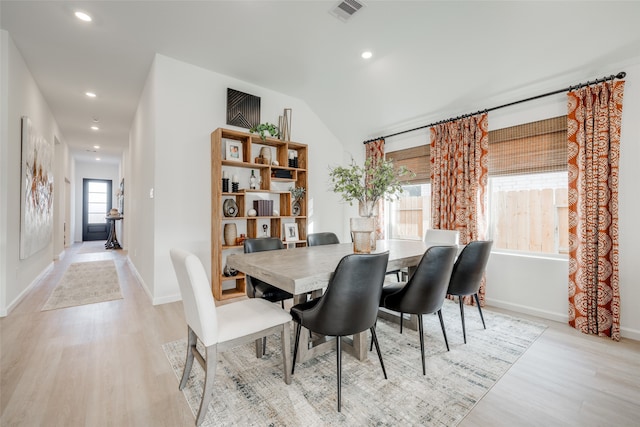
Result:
[[303, 270]]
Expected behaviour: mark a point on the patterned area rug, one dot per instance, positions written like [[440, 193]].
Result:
[[85, 283], [250, 391]]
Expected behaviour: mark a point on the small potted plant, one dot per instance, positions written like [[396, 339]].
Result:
[[367, 185], [265, 127]]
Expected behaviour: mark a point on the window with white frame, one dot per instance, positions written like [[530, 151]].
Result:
[[528, 209]]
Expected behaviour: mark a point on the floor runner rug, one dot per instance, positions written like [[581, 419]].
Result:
[[85, 283]]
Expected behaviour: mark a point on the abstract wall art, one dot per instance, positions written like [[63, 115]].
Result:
[[243, 110], [36, 201]]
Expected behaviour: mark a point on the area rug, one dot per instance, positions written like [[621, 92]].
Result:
[[250, 391], [91, 247], [85, 283]]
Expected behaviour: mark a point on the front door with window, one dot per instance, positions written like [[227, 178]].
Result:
[[96, 203]]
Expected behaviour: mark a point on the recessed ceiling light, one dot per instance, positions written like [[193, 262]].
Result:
[[95, 128], [90, 94], [96, 147], [367, 54], [83, 16], [98, 158]]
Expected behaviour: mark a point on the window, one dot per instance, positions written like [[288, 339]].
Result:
[[410, 216], [528, 209], [97, 202]]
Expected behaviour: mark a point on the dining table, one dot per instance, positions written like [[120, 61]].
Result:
[[305, 272]]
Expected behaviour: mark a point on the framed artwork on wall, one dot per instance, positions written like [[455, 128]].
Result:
[[36, 203]]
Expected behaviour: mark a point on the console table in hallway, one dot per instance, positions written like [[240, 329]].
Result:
[[112, 240]]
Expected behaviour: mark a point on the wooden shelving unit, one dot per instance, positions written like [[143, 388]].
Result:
[[271, 188]]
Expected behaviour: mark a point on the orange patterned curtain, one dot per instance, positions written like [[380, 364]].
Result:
[[593, 131], [459, 158], [375, 152]]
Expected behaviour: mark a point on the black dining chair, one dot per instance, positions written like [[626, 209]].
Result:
[[256, 288], [467, 275], [425, 291], [349, 305], [324, 238]]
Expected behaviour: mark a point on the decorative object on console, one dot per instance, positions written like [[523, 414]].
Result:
[[230, 208], [252, 212], [230, 234], [243, 109], [265, 127]]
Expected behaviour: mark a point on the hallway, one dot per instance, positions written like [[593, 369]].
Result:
[[93, 365]]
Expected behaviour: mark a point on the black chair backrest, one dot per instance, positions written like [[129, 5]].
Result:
[[326, 238], [262, 244], [469, 268], [259, 245], [427, 288], [350, 303]]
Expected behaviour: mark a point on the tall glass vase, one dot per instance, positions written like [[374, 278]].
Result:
[[362, 229]]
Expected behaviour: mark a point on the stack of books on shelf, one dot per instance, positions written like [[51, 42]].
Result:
[[263, 207]]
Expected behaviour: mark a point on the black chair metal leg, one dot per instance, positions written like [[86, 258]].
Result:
[[420, 331], [374, 326], [464, 332], [444, 332], [480, 310], [374, 338], [401, 320], [295, 347], [339, 360]]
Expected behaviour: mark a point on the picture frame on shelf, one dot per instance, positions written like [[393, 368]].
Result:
[[290, 232], [233, 151]]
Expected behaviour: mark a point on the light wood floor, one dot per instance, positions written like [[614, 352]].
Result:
[[102, 365]]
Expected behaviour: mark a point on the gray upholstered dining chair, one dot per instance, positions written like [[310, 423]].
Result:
[[467, 275], [323, 238], [424, 293], [349, 305], [224, 327]]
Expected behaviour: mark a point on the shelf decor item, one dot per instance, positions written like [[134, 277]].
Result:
[[230, 234], [230, 208], [291, 232], [265, 127], [297, 194], [367, 185], [233, 151]]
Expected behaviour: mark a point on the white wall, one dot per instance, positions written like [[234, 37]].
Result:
[[538, 285], [179, 108], [92, 170], [20, 97]]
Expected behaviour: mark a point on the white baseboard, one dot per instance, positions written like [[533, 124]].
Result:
[[545, 314], [628, 333], [154, 301], [134, 270], [19, 298]]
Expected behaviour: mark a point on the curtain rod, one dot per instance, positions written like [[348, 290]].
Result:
[[620, 75]]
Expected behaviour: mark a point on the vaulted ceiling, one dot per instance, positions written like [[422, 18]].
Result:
[[432, 60]]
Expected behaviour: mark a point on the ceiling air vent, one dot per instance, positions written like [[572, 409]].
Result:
[[346, 9]]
